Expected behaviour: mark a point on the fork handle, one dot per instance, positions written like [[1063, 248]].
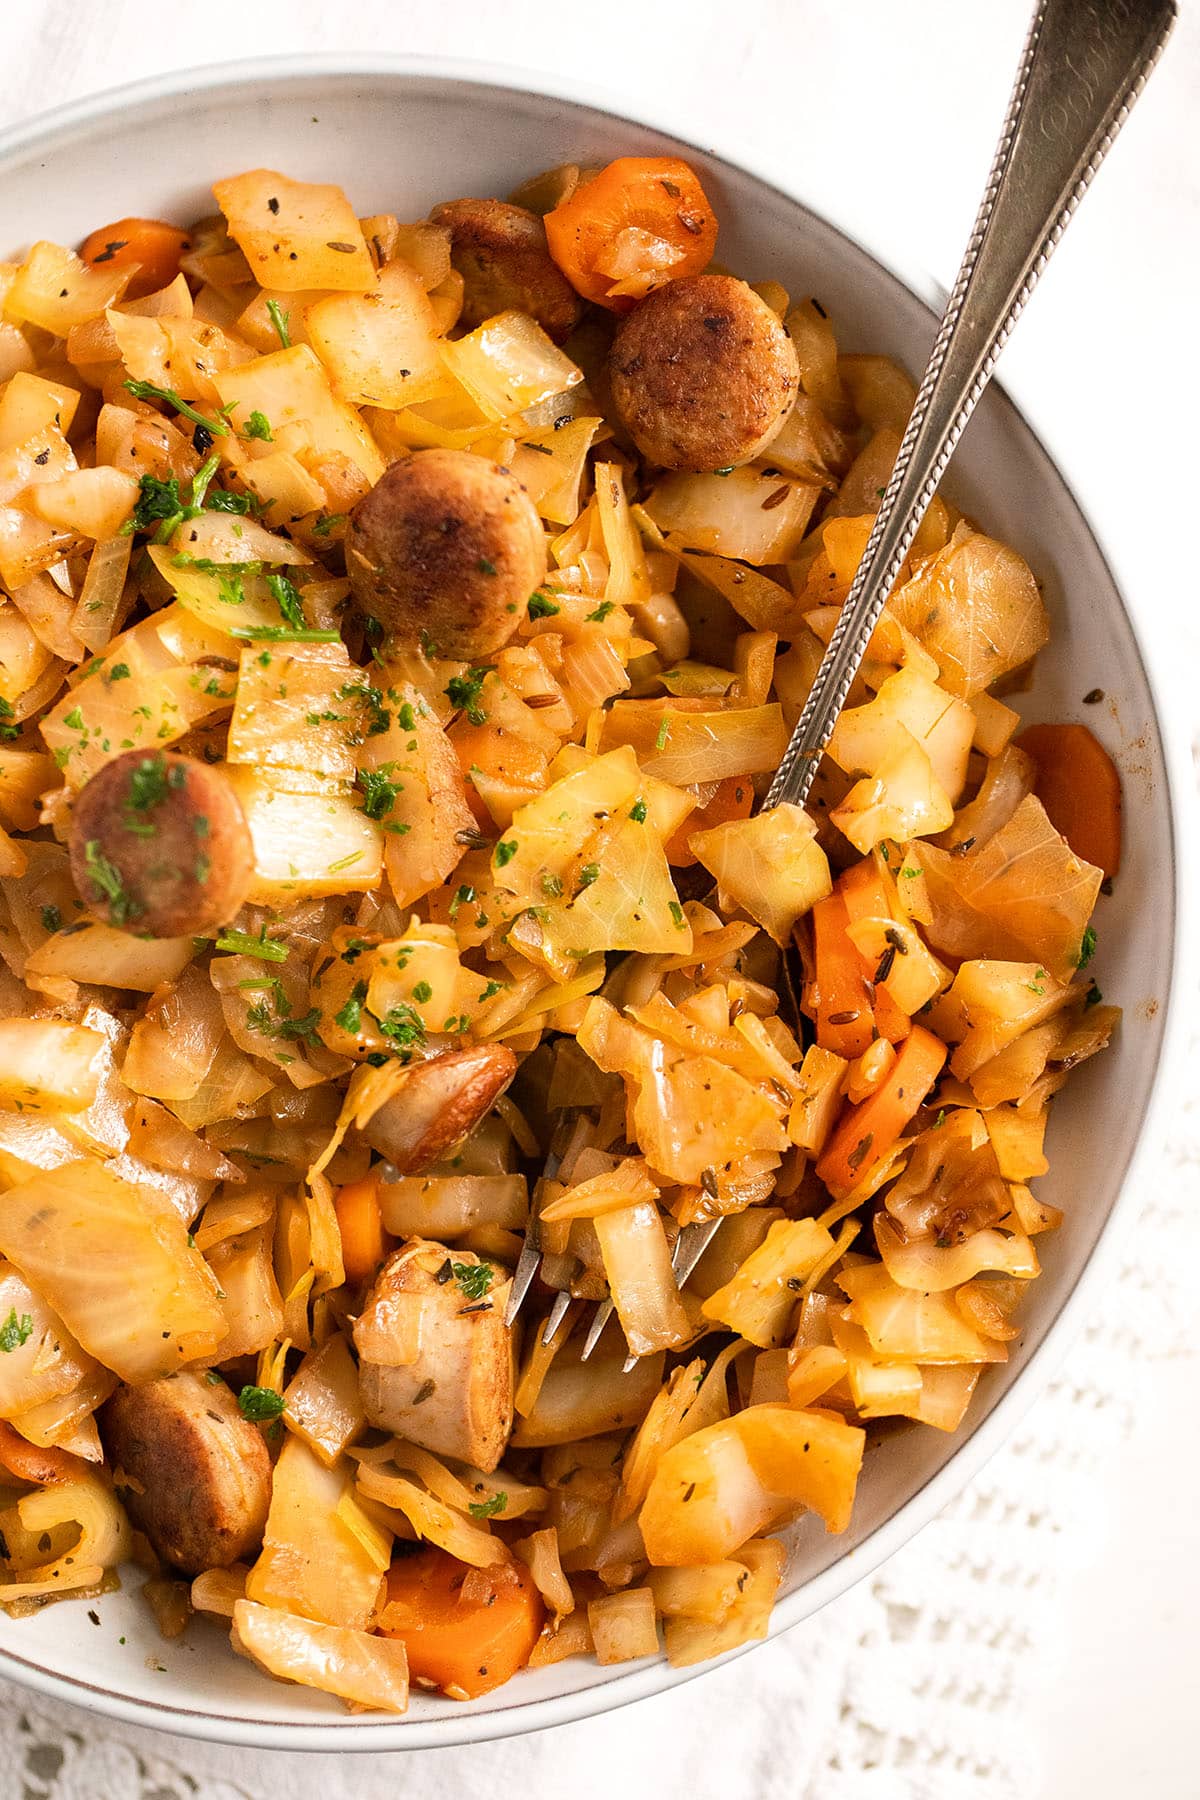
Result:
[[1084, 64]]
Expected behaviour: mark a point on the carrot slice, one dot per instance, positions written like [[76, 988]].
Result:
[[845, 1022], [29, 1463], [733, 800], [869, 1130], [640, 222], [467, 1630], [360, 1221], [151, 245], [1078, 784]]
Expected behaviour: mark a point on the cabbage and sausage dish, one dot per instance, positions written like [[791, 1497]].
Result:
[[400, 622]]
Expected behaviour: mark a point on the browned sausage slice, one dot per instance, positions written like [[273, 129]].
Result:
[[703, 373], [500, 252], [160, 844], [441, 1101], [455, 1397], [446, 547], [199, 1474]]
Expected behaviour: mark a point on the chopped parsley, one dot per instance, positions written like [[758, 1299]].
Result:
[[8, 731], [601, 613], [287, 597], [1087, 948], [242, 943], [282, 323], [541, 606], [119, 672], [349, 1017], [404, 1028], [676, 912], [505, 853], [463, 691], [637, 812], [282, 634], [280, 1024], [487, 1509], [107, 878], [407, 717], [486, 566], [552, 886], [149, 781], [258, 1403], [14, 1332], [328, 522], [147, 390], [474, 1279], [422, 992], [1093, 997], [1038, 984], [379, 794], [258, 426], [590, 872], [463, 897], [664, 732]]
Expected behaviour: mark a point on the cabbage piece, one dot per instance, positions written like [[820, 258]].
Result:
[[976, 608], [361, 1668], [551, 465], [1024, 893], [907, 1325], [637, 1263], [687, 742], [753, 514], [583, 1399], [508, 364], [41, 1360], [771, 866], [691, 1638], [628, 581], [447, 1207], [173, 1044], [902, 799], [118, 1270], [291, 387], [952, 1184], [251, 1301], [429, 804], [864, 736], [322, 1403], [381, 346], [617, 895], [991, 1004], [1007, 779], [692, 1115], [46, 1065], [55, 289], [309, 839], [297, 710], [472, 1543], [539, 1552], [705, 1592], [759, 1300], [295, 234], [818, 1099], [75, 1522], [748, 1474], [553, 830], [935, 1268], [104, 956], [624, 1626], [321, 1556]]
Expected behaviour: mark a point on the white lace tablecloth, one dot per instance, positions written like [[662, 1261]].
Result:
[[947, 1675]]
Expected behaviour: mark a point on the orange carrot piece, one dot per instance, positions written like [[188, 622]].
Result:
[[29, 1463], [641, 221], [845, 1023], [733, 800], [151, 245], [1078, 784], [869, 1130], [467, 1630], [360, 1221]]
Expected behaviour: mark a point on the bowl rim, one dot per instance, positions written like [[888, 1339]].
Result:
[[50, 128]]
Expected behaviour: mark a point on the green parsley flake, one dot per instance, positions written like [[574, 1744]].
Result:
[[664, 732], [406, 717], [328, 522], [487, 1509], [259, 1403], [474, 1279], [463, 691], [349, 1017], [282, 323], [107, 878], [147, 390], [258, 426], [379, 794], [242, 943], [14, 1332], [601, 613], [119, 672], [1087, 948], [590, 872], [404, 1028], [637, 812], [505, 853], [422, 992], [287, 597], [541, 606], [676, 912]]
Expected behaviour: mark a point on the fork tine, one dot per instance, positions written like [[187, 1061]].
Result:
[[557, 1313], [527, 1267], [690, 1246], [603, 1314]]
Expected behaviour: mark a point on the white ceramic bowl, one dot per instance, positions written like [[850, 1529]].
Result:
[[401, 135]]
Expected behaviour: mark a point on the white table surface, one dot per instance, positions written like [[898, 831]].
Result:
[[884, 113]]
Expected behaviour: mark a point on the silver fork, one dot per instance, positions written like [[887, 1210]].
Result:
[[1084, 64]]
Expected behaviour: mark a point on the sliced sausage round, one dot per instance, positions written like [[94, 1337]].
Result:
[[500, 252], [441, 1101], [456, 1399], [198, 1473], [446, 548], [159, 844], [703, 373]]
